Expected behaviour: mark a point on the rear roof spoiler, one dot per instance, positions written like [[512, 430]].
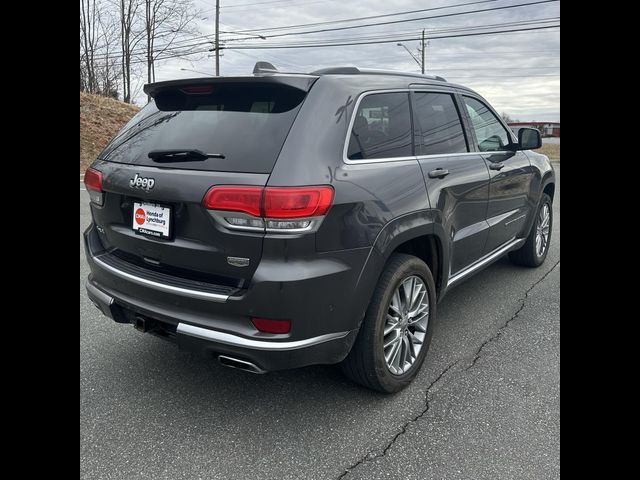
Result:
[[300, 82]]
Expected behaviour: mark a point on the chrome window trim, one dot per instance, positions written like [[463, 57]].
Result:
[[438, 155], [186, 292], [352, 120], [422, 89], [270, 345]]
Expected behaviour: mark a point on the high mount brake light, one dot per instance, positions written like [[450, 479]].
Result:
[[198, 89], [281, 208]]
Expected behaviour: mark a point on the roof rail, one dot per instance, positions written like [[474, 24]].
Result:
[[336, 71], [369, 71], [405, 74], [266, 67]]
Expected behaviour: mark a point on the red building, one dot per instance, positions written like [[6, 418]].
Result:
[[548, 129]]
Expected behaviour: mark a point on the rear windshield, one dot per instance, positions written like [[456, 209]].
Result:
[[247, 123]]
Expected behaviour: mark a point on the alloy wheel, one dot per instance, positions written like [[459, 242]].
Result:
[[406, 324], [542, 229]]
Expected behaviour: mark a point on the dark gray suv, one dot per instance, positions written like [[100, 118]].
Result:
[[280, 220]]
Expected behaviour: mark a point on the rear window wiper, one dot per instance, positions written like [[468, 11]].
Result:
[[184, 155]]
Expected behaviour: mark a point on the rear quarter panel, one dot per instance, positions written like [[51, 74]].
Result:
[[368, 197]]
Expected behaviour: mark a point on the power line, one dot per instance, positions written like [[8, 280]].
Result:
[[358, 40], [393, 35], [382, 23], [346, 20], [262, 47], [471, 77], [490, 68], [268, 3], [392, 22], [240, 8]]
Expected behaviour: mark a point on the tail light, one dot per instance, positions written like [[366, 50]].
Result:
[[93, 184], [266, 325], [297, 202], [274, 208], [234, 199]]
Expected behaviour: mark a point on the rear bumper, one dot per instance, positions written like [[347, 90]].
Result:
[[267, 354], [318, 297]]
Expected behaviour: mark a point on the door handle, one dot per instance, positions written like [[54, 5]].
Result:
[[438, 173], [496, 165]]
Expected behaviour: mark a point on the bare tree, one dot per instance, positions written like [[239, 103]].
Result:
[[168, 21], [113, 33], [108, 69], [88, 43], [130, 36]]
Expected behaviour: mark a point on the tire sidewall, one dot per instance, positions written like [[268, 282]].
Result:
[[388, 380]]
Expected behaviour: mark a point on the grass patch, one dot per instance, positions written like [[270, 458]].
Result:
[[551, 150], [100, 120]]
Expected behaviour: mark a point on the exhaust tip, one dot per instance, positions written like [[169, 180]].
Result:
[[232, 362]]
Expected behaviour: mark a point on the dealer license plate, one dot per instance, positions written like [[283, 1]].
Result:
[[152, 219]]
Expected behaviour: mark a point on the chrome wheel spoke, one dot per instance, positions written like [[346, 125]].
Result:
[[406, 324], [409, 354], [391, 341], [417, 322], [391, 324], [414, 339], [393, 351], [543, 229], [395, 303]]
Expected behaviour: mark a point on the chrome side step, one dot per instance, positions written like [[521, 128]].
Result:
[[513, 244]]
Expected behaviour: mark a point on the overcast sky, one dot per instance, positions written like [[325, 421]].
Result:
[[519, 73]]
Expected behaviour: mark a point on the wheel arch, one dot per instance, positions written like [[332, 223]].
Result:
[[416, 233]]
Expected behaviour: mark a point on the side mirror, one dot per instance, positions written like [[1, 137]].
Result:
[[529, 139]]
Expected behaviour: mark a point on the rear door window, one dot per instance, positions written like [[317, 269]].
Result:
[[247, 123], [440, 126], [381, 128]]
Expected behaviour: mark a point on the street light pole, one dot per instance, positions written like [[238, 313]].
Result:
[[422, 64], [410, 53], [195, 71]]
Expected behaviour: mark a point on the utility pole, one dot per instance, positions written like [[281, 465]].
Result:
[[218, 38], [422, 63]]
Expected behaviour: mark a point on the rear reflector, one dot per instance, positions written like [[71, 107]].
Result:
[[271, 326], [93, 183]]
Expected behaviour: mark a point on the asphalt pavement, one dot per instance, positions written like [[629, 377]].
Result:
[[486, 404]]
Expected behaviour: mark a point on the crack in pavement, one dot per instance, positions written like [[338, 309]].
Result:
[[498, 333], [370, 456]]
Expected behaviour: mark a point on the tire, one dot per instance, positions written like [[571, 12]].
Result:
[[529, 254], [367, 364]]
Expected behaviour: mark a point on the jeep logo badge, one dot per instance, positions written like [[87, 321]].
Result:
[[142, 182], [238, 261]]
